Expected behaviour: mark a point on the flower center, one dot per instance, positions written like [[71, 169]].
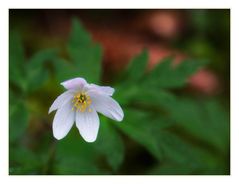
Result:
[[81, 102]]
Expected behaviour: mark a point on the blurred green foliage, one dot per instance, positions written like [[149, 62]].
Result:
[[83, 54], [181, 134]]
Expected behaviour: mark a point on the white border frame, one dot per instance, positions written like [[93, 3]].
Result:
[[184, 4]]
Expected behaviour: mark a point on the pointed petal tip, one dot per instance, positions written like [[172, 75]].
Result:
[[107, 106], [50, 110], [119, 115], [119, 119]]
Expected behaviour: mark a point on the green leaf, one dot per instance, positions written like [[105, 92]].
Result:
[[79, 36], [165, 75], [193, 158], [75, 156], [141, 95], [152, 86], [85, 55], [138, 126], [110, 144], [137, 67], [23, 161], [65, 70], [220, 121], [37, 73], [27, 75], [16, 60], [41, 57], [18, 118], [178, 150], [204, 120]]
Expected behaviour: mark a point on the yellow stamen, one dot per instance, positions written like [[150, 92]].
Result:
[[81, 102]]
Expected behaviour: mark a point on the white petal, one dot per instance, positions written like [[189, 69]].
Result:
[[63, 121], [76, 83], [88, 124], [103, 89], [61, 100], [106, 105]]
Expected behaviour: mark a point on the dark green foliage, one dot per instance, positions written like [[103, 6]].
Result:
[[37, 74], [165, 75], [181, 134], [85, 56], [110, 145], [16, 60], [27, 74], [137, 67], [18, 117], [24, 161], [204, 120], [167, 125], [74, 156], [142, 129]]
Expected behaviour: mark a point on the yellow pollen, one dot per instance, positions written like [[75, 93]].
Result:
[[81, 102]]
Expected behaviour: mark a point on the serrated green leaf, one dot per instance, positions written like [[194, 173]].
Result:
[[65, 70], [165, 75], [141, 95], [189, 66], [86, 55], [79, 36], [137, 67], [204, 120]]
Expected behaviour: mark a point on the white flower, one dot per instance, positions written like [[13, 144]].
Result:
[[80, 104]]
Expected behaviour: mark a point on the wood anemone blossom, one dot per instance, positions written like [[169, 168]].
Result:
[[80, 104]]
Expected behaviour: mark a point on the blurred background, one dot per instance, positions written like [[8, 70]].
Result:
[[171, 71]]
